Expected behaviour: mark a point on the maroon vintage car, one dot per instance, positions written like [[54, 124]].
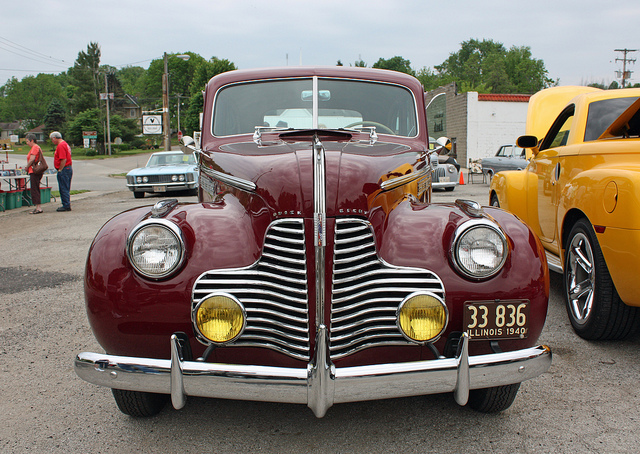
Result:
[[314, 268]]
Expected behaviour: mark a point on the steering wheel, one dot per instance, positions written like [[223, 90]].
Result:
[[382, 127]]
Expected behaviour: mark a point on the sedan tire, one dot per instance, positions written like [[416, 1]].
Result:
[[593, 305], [139, 404], [493, 400]]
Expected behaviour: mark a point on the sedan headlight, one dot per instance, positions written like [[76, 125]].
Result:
[[138, 180], [480, 249], [174, 177], [155, 248], [145, 179]]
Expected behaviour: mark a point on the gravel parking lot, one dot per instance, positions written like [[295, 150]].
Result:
[[587, 402]]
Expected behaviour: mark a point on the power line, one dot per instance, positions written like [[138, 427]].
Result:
[[29, 54]]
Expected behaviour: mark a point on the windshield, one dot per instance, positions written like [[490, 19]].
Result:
[[171, 159], [290, 104]]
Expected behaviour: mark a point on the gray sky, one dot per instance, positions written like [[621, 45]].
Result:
[[575, 39]]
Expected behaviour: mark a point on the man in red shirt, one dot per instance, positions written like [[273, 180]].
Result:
[[62, 162]]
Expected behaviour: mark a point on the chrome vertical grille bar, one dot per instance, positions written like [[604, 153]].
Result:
[[319, 224]]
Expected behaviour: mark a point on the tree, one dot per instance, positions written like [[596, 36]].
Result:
[[125, 128], [486, 66], [132, 80], [87, 120], [395, 64], [205, 71], [85, 80], [28, 98], [55, 117]]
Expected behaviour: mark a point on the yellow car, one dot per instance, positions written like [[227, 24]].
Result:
[[581, 195]]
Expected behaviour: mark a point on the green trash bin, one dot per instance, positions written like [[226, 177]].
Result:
[[26, 198], [14, 199], [45, 194], [3, 201]]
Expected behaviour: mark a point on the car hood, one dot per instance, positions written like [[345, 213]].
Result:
[[169, 169], [283, 171]]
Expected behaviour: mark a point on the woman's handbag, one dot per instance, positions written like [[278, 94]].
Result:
[[41, 165]]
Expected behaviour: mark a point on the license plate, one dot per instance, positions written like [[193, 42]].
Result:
[[444, 180], [159, 189], [490, 320]]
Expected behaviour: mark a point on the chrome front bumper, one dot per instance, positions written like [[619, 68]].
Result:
[[321, 384]]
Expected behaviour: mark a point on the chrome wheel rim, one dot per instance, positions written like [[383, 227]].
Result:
[[581, 276]]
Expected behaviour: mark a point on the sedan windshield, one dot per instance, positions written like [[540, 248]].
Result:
[[334, 104], [170, 159]]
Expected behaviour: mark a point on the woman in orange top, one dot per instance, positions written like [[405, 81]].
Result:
[[35, 178]]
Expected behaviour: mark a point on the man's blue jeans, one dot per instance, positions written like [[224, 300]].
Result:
[[64, 185]]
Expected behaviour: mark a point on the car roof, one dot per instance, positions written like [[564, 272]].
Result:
[[381, 75]]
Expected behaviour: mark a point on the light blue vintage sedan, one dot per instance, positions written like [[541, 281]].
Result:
[[165, 171]]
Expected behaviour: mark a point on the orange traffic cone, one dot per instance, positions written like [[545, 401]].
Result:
[[461, 178]]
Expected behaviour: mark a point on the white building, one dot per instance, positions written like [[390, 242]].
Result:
[[477, 124]]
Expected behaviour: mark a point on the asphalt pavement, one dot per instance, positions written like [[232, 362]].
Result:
[[587, 402]]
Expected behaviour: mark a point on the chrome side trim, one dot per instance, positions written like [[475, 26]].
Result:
[[236, 182], [320, 384], [405, 179]]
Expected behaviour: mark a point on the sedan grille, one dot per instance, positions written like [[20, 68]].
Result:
[[273, 292], [367, 291]]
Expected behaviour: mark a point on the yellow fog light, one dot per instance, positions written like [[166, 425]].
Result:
[[220, 318], [422, 317]]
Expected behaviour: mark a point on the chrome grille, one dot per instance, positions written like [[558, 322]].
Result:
[[273, 292], [367, 291]]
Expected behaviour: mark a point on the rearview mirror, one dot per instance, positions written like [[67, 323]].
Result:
[[527, 142], [188, 145]]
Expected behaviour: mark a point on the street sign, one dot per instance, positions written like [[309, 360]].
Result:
[[152, 124], [104, 96]]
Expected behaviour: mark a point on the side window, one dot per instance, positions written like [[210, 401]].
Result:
[[559, 132]]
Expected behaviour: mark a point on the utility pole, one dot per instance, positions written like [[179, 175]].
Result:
[[166, 127], [106, 90], [625, 74]]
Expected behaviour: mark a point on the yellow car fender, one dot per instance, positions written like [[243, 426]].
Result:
[[610, 200]]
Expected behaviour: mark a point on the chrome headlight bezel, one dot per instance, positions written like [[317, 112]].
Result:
[[174, 233], [473, 226]]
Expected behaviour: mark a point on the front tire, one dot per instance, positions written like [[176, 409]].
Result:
[[139, 404], [494, 202], [493, 400], [593, 305]]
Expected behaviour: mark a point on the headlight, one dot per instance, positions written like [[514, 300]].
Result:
[[219, 318], [155, 248], [422, 317], [480, 249], [145, 179], [181, 178], [174, 177], [138, 179]]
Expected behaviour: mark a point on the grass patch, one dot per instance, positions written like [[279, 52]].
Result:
[[72, 192]]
